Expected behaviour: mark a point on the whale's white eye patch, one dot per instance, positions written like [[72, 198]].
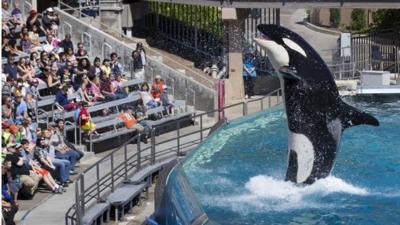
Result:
[[291, 44]]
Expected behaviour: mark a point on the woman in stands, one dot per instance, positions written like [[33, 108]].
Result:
[[95, 91], [70, 55], [105, 68], [83, 93], [95, 69], [24, 71], [80, 73], [147, 99], [44, 61], [81, 52], [34, 38]]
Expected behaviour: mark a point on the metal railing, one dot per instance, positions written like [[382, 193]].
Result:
[[102, 178]]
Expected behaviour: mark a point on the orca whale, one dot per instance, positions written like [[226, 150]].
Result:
[[316, 114]]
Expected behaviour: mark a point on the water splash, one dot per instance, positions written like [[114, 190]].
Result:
[[265, 193]]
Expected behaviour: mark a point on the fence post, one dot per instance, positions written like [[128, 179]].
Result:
[[125, 161], [77, 201], [153, 146], [262, 103], [82, 194], [244, 108], [138, 163], [112, 172], [178, 143], [98, 181], [201, 128]]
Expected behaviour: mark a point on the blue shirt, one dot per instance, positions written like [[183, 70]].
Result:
[[11, 70], [249, 64], [61, 98], [21, 109]]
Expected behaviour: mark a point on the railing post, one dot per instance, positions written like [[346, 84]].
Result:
[[82, 193], [262, 103], [125, 161], [138, 163], [244, 108], [178, 142], [112, 172], [77, 201], [98, 181], [269, 101], [201, 128], [153, 146]]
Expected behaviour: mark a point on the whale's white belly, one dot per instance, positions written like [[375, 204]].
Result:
[[305, 155]]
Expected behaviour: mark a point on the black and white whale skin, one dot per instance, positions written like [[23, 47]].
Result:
[[316, 114]]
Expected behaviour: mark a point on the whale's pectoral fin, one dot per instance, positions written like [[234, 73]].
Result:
[[353, 117], [289, 73]]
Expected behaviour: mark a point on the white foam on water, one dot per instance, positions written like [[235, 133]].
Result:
[[265, 193]]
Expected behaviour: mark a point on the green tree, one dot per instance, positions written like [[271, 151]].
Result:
[[386, 18], [334, 17], [358, 18]]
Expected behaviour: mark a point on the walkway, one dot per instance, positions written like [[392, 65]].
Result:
[[293, 18]]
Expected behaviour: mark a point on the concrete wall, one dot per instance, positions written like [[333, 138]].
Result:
[[102, 44]]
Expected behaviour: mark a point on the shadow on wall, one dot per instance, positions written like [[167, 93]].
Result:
[[265, 83]]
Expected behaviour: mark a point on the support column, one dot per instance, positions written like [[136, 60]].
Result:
[[111, 14], [234, 34]]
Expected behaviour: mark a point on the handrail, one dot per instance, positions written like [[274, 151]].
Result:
[[132, 164]]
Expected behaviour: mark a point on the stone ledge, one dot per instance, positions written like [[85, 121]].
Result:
[[321, 29]]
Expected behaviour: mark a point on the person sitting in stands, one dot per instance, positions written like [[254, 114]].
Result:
[[157, 88], [9, 205], [116, 67], [67, 43], [105, 68], [81, 52], [62, 99], [27, 153], [46, 157], [62, 151], [147, 99], [85, 121]]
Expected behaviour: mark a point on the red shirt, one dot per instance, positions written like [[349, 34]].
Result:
[[157, 89], [85, 113]]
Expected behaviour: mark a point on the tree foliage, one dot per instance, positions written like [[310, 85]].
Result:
[[386, 18], [358, 17], [334, 17]]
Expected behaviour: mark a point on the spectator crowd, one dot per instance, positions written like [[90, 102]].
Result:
[[36, 64]]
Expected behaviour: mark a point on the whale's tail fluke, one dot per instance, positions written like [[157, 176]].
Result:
[[353, 117]]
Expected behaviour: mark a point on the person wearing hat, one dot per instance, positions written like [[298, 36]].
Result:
[[249, 74], [33, 19], [22, 171], [157, 88], [50, 20]]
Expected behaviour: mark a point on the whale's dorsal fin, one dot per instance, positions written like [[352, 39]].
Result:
[[353, 117]]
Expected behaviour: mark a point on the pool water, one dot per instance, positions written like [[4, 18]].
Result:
[[238, 173]]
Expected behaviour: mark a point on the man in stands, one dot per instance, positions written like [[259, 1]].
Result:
[[62, 151], [67, 43], [61, 125], [116, 67], [62, 99], [10, 68], [19, 170], [50, 20]]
